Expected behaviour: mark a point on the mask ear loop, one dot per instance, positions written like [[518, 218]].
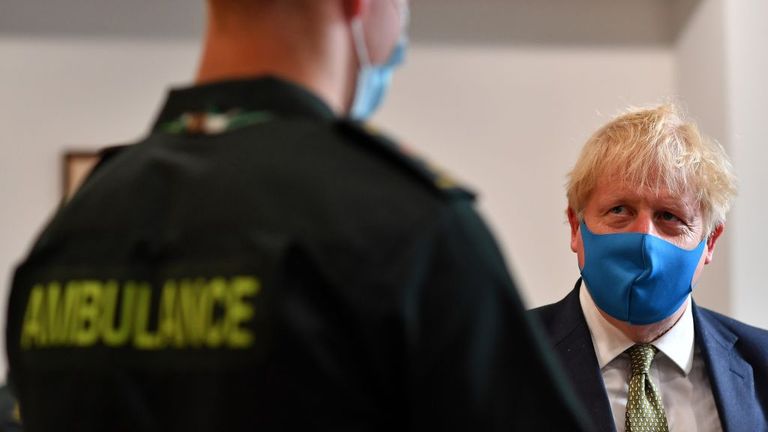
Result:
[[405, 17], [358, 37]]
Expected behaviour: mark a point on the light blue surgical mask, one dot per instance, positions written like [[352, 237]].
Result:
[[637, 278], [373, 80]]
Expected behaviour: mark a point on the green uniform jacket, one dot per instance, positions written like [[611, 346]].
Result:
[[257, 264]]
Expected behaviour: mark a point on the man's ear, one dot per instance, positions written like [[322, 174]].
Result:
[[573, 221], [712, 240]]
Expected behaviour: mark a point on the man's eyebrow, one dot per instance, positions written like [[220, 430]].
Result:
[[679, 204], [625, 195]]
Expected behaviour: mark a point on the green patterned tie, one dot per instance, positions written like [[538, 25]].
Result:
[[645, 412]]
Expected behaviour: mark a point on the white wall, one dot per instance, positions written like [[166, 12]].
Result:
[[701, 84], [722, 64], [746, 45]]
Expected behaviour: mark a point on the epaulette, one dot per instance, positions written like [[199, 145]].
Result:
[[105, 155], [434, 176]]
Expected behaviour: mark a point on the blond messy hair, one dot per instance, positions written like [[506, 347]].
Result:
[[656, 148]]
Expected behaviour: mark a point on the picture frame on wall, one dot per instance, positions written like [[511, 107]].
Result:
[[77, 164]]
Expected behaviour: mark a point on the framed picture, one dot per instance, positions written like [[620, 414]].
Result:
[[76, 167]]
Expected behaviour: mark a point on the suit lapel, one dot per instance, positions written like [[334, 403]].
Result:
[[730, 376], [573, 343]]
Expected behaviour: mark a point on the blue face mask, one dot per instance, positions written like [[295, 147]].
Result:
[[637, 278], [373, 80]]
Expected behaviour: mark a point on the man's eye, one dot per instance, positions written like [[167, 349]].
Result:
[[669, 217], [617, 210]]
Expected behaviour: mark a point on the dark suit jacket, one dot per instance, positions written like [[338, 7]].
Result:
[[736, 356]]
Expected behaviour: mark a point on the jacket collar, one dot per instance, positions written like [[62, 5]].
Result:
[[573, 343], [730, 376], [279, 97]]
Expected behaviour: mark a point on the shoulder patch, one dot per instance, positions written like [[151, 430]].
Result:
[[430, 173]]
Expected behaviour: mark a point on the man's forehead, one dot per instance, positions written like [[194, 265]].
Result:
[[610, 188]]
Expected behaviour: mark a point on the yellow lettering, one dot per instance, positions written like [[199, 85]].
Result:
[[194, 301], [217, 288], [111, 335], [60, 312], [33, 331], [143, 339], [86, 330], [169, 320], [190, 313], [239, 310]]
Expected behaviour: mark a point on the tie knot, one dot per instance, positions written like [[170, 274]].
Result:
[[642, 356]]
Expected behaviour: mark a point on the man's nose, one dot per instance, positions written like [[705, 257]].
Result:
[[643, 223]]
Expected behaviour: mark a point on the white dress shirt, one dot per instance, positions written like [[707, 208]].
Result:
[[678, 371]]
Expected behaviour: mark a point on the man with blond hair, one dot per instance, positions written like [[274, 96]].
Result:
[[647, 202], [263, 262]]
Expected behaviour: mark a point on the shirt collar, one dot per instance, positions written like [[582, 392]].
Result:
[[609, 342], [281, 98]]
